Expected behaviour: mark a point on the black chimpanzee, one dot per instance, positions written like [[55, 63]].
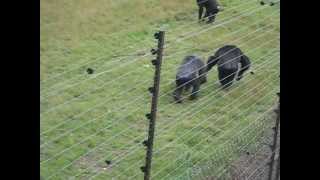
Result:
[[212, 8], [228, 59], [192, 72]]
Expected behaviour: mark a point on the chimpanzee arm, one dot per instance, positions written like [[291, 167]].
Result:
[[200, 11], [212, 61], [245, 65], [201, 6]]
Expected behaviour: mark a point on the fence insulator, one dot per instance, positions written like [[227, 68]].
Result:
[[143, 168], [151, 90], [157, 35], [153, 51], [145, 143], [148, 116], [154, 62]]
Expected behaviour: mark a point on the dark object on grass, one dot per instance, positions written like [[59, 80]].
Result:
[[90, 71], [228, 59], [212, 9], [191, 73], [251, 72], [107, 162], [145, 143], [262, 3], [248, 153], [272, 3]]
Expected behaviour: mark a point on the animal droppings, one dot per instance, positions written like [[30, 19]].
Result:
[[90, 71]]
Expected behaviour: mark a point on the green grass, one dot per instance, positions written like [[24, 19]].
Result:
[[105, 34]]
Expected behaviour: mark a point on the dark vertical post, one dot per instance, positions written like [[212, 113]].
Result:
[[275, 139], [155, 93], [278, 168]]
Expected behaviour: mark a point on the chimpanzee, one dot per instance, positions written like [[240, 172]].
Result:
[[192, 72], [212, 8], [228, 59]]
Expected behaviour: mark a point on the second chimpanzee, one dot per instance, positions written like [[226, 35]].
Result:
[[191, 73], [212, 8], [228, 59]]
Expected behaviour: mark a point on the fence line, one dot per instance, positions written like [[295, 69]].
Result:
[[63, 122], [115, 136], [214, 139], [62, 135], [134, 148], [76, 144], [178, 40], [122, 157], [262, 164], [125, 49], [89, 121], [168, 43], [244, 128], [76, 98], [125, 75], [169, 125]]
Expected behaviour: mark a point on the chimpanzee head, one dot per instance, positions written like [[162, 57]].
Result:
[[212, 61]]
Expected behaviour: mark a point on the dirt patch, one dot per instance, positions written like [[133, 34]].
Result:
[[254, 164]]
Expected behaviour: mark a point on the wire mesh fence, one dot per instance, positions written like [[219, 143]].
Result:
[[93, 112]]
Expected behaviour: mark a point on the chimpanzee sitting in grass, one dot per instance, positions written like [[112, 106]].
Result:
[[228, 59], [191, 73]]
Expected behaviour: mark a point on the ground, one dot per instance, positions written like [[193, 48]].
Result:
[[87, 119]]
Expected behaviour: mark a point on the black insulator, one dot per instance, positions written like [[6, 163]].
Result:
[[145, 143], [148, 116], [157, 35], [154, 62], [153, 51], [143, 169], [151, 90]]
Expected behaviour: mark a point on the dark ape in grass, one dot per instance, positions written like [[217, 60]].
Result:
[[228, 59], [212, 8], [191, 73]]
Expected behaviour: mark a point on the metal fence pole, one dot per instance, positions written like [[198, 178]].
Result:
[[275, 139], [155, 93]]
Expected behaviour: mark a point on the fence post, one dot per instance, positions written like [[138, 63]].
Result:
[[275, 139], [155, 93], [278, 168]]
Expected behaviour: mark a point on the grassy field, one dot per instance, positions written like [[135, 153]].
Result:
[[88, 119]]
